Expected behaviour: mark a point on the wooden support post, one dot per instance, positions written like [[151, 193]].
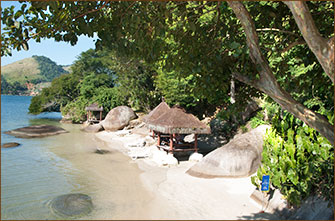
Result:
[[88, 117], [100, 116], [196, 142], [171, 143], [158, 138]]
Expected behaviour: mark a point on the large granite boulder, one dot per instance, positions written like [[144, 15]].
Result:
[[70, 205], [241, 157], [36, 131], [118, 118]]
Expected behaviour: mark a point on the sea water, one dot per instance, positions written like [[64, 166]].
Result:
[[41, 169]]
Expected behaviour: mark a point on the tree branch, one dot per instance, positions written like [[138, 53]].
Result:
[[94, 10], [268, 83], [323, 51], [299, 42], [244, 79], [278, 30]]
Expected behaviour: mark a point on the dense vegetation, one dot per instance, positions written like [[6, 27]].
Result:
[[48, 69], [188, 52], [11, 88], [299, 161], [102, 77]]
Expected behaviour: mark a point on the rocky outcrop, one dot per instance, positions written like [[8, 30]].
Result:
[[9, 145], [241, 157], [92, 128], [118, 118], [36, 131], [70, 205]]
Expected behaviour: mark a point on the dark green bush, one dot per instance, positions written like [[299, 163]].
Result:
[[299, 160]]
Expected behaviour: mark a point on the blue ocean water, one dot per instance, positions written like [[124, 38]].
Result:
[[30, 173], [41, 169]]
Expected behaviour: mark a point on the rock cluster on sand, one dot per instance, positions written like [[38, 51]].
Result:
[[75, 204], [11, 144], [118, 118], [36, 131], [92, 128], [241, 157]]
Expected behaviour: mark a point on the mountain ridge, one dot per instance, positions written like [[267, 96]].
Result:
[[29, 76]]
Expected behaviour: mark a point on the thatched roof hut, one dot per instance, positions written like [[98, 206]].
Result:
[[94, 107], [157, 112], [176, 121]]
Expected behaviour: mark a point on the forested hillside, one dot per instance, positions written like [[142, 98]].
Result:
[[29, 75]]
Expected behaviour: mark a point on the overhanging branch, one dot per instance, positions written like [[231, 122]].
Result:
[[278, 30]]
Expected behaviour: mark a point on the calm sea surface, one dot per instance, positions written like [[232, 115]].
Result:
[[44, 168]]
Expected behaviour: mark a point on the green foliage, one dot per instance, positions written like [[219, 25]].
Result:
[[35, 106], [177, 90], [48, 68], [136, 84], [298, 160], [14, 88], [76, 110], [109, 98], [257, 120]]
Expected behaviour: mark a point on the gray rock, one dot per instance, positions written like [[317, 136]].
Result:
[[75, 204], [11, 144], [36, 131], [93, 128], [118, 118], [241, 157], [314, 208]]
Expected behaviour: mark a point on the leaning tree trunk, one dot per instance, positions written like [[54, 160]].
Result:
[[322, 48], [268, 83]]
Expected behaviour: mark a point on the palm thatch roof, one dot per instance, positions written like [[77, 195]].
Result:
[[156, 112], [94, 107], [177, 121]]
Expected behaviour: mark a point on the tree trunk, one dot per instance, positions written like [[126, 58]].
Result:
[[322, 48], [268, 83], [232, 91]]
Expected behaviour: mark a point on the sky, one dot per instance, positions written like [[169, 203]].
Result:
[[60, 52]]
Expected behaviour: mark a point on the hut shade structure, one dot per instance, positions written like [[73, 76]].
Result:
[[93, 108], [175, 121], [157, 112]]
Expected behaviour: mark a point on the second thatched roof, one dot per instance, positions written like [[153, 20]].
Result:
[[94, 107], [176, 120]]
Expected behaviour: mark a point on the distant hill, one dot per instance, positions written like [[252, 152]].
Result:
[[28, 76]]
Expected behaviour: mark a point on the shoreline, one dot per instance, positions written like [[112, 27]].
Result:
[[177, 195]]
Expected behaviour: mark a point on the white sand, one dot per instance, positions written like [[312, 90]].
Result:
[[177, 195]]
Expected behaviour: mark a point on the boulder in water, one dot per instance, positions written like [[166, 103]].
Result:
[[74, 204], [36, 131], [118, 118], [11, 144]]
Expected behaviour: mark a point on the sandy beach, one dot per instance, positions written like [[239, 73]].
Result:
[[173, 194]]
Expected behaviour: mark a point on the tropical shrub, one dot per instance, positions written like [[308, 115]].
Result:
[[299, 160]]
